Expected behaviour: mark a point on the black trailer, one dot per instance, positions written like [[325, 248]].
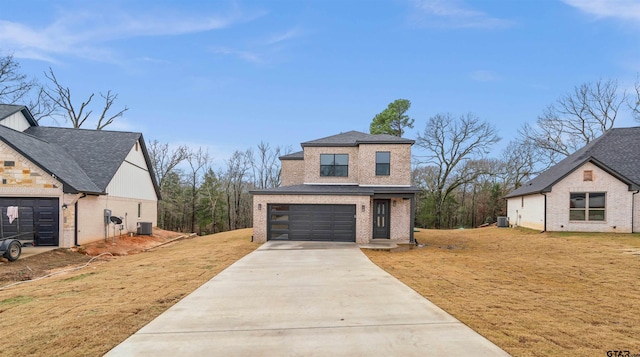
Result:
[[16, 231]]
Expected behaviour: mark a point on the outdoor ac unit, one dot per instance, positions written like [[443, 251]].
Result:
[[503, 222], [144, 228]]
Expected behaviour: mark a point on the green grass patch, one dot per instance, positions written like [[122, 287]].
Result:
[[18, 300], [79, 277]]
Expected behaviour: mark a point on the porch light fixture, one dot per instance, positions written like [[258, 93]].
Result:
[[363, 208], [64, 206], [394, 203], [259, 206]]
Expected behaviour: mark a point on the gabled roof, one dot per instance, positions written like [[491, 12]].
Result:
[[6, 110], [98, 152], [52, 159], [83, 160], [616, 152], [355, 138]]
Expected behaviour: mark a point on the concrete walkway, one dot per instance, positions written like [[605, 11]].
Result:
[[305, 299]]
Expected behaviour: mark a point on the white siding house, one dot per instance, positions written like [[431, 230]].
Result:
[[64, 179], [593, 190]]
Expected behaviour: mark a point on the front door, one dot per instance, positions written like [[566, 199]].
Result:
[[381, 219]]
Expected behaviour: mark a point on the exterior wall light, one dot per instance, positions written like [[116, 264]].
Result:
[[259, 206], [64, 207], [363, 208]]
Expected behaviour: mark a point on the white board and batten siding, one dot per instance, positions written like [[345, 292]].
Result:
[[16, 121], [133, 180]]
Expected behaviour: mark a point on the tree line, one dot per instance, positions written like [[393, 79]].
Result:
[[461, 179], [197, 197], [462, 185]]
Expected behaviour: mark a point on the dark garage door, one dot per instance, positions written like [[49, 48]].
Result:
[[334, 223], [38, 218]]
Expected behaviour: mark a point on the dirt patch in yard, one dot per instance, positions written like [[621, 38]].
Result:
[[32, 267], [87, 312], [559, 294]]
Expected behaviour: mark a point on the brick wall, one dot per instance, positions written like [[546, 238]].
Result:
[[292, 172], [618, 202]]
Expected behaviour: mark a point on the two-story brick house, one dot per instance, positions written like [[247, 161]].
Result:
[[350, 187]]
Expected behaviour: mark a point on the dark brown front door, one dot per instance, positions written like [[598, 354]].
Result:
[[381, 219]]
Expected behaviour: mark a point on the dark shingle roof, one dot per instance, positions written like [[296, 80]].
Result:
[[616, 152], [51, 158], [293, 156], [7, 110], [355, 138], [99, 152], [354, 190], [83, 160]]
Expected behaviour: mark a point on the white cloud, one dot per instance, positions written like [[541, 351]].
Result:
[[86, 34], [454, 14], [244, 55], [264, 50], [484, 76], [285, 36], [620, 9]]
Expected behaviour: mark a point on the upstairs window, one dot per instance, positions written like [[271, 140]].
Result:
[[334, 165], [383, 163], [587, 206]]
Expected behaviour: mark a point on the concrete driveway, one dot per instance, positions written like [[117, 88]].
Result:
[[305, 299]]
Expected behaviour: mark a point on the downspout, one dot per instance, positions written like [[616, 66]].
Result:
[[633, 209], [75, 224], [545, 212], [412, 239], [75, 220]]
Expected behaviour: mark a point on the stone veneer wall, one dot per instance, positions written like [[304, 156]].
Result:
[[19, 177]]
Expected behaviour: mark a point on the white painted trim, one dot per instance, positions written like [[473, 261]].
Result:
[[385, 185], [332, 184]]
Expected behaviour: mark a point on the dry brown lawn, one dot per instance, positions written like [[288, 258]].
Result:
[[532, 294], [89, 311]]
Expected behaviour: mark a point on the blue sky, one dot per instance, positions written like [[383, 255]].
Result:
[[226, 75]]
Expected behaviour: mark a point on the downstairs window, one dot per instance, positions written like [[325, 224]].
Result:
[[587, 206]]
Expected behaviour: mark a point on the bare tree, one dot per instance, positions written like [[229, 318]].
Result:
[[61, 96], [14, 86], [164, 161], [17, 88], [235, 181], [634, 101], [198, 160], [449, 144], [266, 166], [576, 119], [521, 161], [212, 191]]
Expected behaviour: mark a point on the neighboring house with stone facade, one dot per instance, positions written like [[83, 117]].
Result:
[[350, 187], [593, 190], [62, 180]]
